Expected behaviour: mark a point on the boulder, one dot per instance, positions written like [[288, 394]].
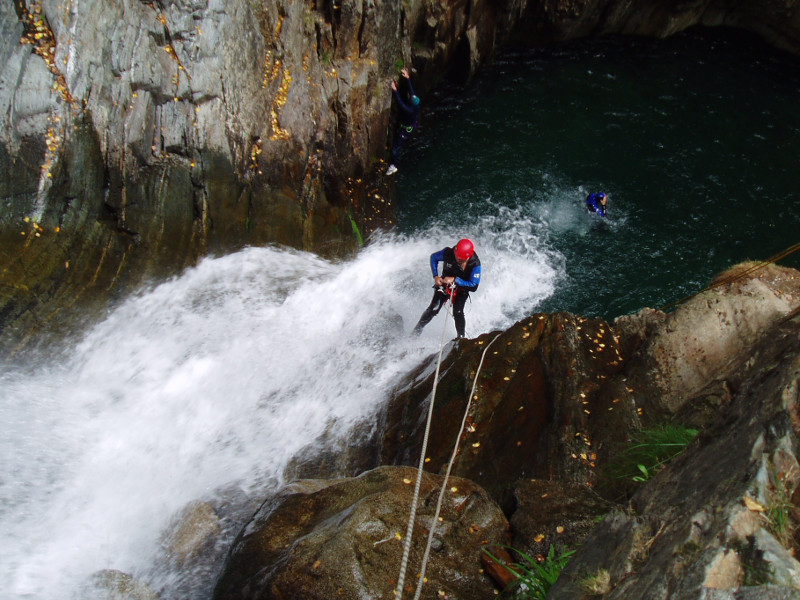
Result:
[[194, 528], [544, 393], [707, 339], [344, 538], [558, 398]]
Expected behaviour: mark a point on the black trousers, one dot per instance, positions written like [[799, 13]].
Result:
[[401, 137], [439, 300]]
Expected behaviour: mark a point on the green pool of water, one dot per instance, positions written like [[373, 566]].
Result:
[[696, 139]]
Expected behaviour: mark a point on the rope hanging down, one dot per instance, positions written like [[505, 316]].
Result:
[[412, 517], [410, 528], [447, 474]]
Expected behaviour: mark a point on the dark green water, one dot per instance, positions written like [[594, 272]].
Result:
[[696, 139]]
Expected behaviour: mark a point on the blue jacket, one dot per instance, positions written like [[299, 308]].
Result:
[[593, 204], [468, 278]]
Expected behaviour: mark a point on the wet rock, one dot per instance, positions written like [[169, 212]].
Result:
[[541, 399], [699, 524], [195, 528], [341, 538], [111, 584], [554, 513]]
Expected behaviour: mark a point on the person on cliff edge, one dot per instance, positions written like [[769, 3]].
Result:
[[461, 274], [408, 116]]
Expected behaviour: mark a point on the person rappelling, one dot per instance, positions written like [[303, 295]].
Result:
[[461, 274], [408, 117]]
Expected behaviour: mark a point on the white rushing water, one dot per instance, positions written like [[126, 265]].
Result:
[[214, 380]]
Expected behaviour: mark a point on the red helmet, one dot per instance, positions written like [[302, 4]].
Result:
[[464, 250]]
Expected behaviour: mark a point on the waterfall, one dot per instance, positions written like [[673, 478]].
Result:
[[214, 380]]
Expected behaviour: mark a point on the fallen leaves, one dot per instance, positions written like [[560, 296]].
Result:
[[753, 505]]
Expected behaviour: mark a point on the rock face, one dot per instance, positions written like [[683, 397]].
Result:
[[138, 136], [341, 539], [542, 399], [558, 396], [706, 340], [712, 520]]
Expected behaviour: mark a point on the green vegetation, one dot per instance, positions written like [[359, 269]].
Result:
[[781, 514], [356, 231], [534, 578], [649, 451]]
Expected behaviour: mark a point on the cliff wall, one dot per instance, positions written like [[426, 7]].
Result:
[[136, 137]]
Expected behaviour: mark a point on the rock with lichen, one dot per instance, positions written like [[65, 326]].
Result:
[[345, 538]]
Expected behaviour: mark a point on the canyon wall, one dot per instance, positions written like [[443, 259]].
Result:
[[137, 137]]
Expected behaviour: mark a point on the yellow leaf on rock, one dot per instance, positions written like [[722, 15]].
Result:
[[753, 504], [538, 538]]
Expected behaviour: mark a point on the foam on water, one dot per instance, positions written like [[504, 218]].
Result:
[[216, 379]]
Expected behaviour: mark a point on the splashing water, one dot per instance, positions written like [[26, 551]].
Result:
[[216, 379]]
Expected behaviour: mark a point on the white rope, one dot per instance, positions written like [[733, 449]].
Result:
[[410, 528], [447, 474]]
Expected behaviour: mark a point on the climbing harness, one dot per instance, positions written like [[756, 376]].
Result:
[[412, 516], [773, 259]]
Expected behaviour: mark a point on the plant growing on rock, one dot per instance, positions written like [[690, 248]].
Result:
[[649, 451], [781, 514], [534, 577]]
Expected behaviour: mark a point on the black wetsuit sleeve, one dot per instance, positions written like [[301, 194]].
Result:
[[410, 87]]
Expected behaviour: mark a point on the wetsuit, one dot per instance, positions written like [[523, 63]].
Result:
[[467, 280], [408, 116], [593, 204]]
